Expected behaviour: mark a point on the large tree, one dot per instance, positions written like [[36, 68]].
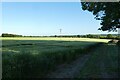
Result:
[[107, 12]]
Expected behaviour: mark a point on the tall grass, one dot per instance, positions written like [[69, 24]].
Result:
[[102, 64], [34, 59]]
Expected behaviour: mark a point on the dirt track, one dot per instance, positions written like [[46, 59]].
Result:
[[69, 70], [85, 66]]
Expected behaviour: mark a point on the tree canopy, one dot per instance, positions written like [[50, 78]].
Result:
[[107, 12]]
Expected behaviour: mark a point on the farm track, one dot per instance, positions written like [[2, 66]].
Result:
[[103, 61], [107, 62], [69, 70]]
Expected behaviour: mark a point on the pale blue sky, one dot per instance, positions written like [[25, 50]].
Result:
[[46, 18]]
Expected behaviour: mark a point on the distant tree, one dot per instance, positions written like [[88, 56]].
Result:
[[55, 35], [107, 12], [78, 35], [84, 36], [90, 36], [109, 36]]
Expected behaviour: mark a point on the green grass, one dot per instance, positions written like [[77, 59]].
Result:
[[104, 60], [34, 57], [42, 46]]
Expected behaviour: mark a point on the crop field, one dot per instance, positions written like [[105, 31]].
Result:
[[59, 39], [55, 39], [34, 57]]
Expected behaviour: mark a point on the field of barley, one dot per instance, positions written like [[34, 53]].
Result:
[[21, 56]]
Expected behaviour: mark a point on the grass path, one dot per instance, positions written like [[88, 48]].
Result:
[[101, 63], [69, 70]]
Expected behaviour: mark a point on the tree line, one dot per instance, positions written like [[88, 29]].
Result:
[[108, 36], [102, 36], [10, 35]]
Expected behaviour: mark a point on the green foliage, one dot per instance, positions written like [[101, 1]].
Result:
[[97, 36], [10, 35], [92, 36], [109, 36], [107, 12]]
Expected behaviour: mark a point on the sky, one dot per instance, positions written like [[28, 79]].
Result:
[[47, 18]]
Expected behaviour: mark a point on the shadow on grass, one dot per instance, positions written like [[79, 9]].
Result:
[[28, 65], [104, 63]]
